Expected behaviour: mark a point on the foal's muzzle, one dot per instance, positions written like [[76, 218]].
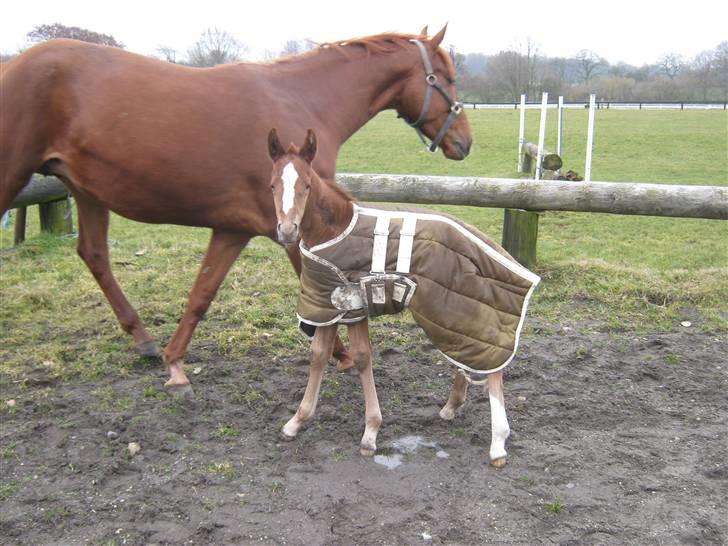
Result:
[[287, 233]]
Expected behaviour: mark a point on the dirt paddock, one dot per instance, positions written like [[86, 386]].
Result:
[[616, 439]]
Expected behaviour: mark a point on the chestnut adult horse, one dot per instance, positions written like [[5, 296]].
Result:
[[162, 143]]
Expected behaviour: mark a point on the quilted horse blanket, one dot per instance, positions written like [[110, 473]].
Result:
[[467, 293]]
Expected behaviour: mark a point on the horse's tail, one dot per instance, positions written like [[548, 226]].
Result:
[[32, 85]]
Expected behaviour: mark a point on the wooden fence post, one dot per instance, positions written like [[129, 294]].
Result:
[[55, 217], [20, 218], [520, 227]]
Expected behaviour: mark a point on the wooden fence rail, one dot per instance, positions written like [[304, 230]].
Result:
[[684, 201], [52, 197], [610, 197]]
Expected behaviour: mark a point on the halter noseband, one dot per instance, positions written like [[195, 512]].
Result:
[[455, 107]]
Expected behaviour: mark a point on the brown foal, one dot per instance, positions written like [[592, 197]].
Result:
[[308, 208], [163, 143]]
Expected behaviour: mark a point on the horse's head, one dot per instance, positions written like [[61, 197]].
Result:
[[291, 183], [428, 99]]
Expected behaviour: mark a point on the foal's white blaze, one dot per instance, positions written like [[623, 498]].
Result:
[[499, 428], [289, 178]]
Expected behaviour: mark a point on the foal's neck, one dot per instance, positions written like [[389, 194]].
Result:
[[329, 210]]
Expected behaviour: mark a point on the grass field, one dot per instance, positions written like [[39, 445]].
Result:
[[612, 273]]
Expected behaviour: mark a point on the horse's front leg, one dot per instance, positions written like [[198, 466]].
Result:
[[321, 349], [361, 350], [344, 361], [222, 252], [499, 422]]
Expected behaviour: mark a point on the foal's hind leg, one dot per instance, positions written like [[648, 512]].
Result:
[[93, 227], [321, 348], [458, 392], [223, 250], [340, 353], [499, 422]]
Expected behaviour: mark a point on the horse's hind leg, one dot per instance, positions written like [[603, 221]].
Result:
[[321, 349], [344, 361], [362, 355], [499, 422], [93, 228], [458, 392], [223, 250]]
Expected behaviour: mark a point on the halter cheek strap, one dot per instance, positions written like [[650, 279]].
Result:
[[432, 82]]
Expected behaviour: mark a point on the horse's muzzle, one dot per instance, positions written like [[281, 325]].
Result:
[[287, 233]]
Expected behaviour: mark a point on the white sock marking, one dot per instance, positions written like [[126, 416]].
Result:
[[499, 428], [289, 178]]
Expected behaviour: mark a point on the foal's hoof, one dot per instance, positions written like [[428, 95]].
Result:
[[344, 364], [367, 452], [184, 390], [500, 462], [285, 437], [149, 349], [447, 413]]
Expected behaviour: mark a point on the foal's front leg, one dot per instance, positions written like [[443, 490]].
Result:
[[499, 422], [321, 349], [361, 350]]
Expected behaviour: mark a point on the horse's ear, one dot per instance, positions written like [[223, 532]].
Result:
[[275, 150], [308, 150], [423, 32], [437, 38]]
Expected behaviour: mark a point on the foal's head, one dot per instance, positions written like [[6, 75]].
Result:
[[291, 183]]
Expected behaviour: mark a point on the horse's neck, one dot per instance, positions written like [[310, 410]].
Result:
[[328, 213], [345, 89]]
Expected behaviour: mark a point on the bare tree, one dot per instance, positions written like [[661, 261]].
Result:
[[720, 62], [670, 65], [168, 54], [702, 70], [589, 64], [215, 47], [41, 33]]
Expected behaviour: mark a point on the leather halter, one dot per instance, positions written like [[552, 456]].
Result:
[[455, 107]]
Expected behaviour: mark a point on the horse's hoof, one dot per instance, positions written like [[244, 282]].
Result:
[[180, 391], [149, 349], [447, 413], [500, 462], [286, 437]]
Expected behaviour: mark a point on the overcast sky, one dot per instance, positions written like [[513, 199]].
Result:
[[634, 31]]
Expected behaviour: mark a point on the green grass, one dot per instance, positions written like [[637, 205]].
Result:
[[617, 273]]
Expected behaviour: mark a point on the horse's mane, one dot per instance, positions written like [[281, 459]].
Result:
[[384, 43]]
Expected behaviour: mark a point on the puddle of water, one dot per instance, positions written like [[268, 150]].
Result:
[[411, 443], [390, 461], [392, 456]]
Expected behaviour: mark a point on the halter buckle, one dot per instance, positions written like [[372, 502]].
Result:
[[431, 79]]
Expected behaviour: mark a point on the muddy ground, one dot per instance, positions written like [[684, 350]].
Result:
[[617, 439]]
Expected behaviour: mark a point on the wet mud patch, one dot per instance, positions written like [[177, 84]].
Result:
[[615, 439]]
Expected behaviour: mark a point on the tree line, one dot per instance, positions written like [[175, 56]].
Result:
[[502, 77]]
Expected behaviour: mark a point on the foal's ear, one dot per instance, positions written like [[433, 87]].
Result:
[[308, 150], [423, 32], [275, 150], [437, 38]]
